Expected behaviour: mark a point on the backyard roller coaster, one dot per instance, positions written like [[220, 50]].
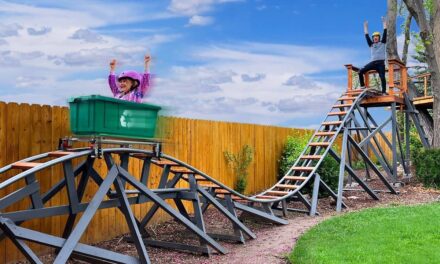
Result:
[[349, 124]]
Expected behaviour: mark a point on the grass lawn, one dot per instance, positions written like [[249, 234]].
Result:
[[404, 234]]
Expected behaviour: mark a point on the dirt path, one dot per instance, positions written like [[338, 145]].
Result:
[[273, 243], [271, 246]]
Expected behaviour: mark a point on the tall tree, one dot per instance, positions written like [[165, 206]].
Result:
[[427, 16], [407, 37], [391, 30], [392, 53]]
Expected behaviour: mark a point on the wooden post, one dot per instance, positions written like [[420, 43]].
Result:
[[391, 77], [367, 79], [349, 77], [425, 85], [404, 80]]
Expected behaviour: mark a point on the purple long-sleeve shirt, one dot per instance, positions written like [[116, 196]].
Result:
[[135, 95]]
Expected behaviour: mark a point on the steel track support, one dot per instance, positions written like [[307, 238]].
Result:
[[355, 177], [198, 214], [84, 221], [167, 208], [131, 221], [368, 161], [315, 194], [342, 170]]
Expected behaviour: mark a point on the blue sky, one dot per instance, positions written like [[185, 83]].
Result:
[[277, 62]]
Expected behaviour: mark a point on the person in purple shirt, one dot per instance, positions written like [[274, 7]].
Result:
[[130, 85]]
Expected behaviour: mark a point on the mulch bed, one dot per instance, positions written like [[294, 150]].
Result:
[[273, 242]]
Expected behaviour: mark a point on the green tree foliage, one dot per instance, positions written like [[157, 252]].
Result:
[[240, 162]]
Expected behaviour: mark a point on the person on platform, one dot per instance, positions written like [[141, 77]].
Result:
[[378, 52]]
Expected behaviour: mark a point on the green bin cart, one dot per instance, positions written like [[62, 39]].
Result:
[[101, 116]]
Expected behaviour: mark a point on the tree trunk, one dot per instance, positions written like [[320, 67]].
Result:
[[391, 30], [429, 37], [407, 39], [436, 80], [425, 117]]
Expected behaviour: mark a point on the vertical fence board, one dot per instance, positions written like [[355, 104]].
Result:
[[12, 149]]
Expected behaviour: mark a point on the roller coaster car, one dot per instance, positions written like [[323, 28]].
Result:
[[101, 116]]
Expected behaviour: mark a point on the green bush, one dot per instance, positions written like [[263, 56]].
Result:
[[415, 144], [239, 163], [329, 169], [427, 164]]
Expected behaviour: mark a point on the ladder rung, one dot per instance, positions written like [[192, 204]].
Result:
[[182, 170], [222, 191], [330, 133], [319, 144], [142, 155], [266, 197], [303, 168], [337, 113], [59, 153], [209, 185], [278, 193], [358, 91], [234, 197], [341, 105], [25, 165], [164, 162], [312, 157], [331, 123], [286, 186], [198, 178], [294, 178]]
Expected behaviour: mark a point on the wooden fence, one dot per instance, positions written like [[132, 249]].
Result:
[[27, 130]]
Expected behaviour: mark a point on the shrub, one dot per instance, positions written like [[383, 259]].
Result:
[[427, 164], [329, 169], [415, 144], [240, 163]]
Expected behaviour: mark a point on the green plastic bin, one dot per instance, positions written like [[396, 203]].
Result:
[[97, 115]]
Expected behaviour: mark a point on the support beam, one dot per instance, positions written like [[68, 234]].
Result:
[[315, 195], [372, 165], [341, 171], [167, 208], [56, 242], [253, 211], [355, 177], [84, 221]]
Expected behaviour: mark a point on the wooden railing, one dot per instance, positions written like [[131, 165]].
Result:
[[397, 77], [425, 76]]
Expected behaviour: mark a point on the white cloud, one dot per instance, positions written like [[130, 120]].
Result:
[[194, 8], [8, 30], [255, 78], [29, 81], [38, 53], [244, 95], [38, 32], [87, 36], [261, 7], [200, 20]]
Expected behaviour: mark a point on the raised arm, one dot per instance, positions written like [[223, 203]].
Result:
[[145, 84], [367, 36], [384, 35], [112, 78]]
